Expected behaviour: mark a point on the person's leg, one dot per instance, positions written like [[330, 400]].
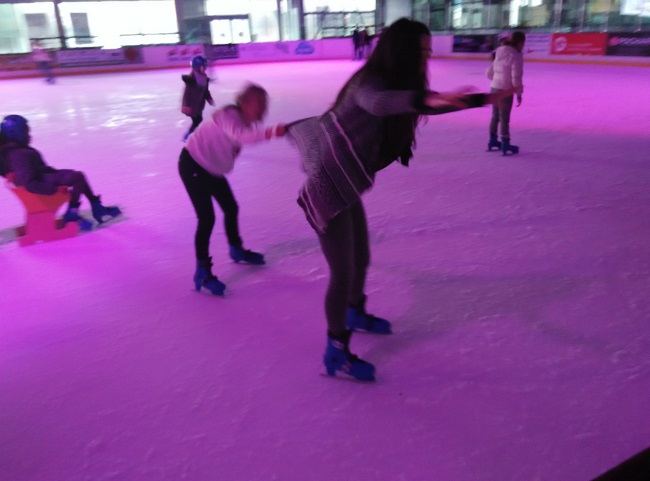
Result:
[[505, 107], [77, 182], [361, 255], [224, 196], [337, 244], [357, 318], [221, 191], [196, 120], [197, 183], [494, 120]]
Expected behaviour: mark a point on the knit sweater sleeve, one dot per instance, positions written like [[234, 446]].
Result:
[[376, 100], [471, 100]]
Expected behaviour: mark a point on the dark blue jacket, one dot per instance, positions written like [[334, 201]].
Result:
[[28, 167]]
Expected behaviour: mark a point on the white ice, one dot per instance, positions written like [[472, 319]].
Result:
[[518, 288]]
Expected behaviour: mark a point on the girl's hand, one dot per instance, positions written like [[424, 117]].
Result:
[[280, 130], [495, 97], [436, 100]]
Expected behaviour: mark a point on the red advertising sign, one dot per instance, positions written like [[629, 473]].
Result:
[[578, 43]]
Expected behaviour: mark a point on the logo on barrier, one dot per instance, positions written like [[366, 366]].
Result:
[[560, 44], [305, 48]]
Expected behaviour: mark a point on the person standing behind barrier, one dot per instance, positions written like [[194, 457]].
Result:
[[355, 43], [505, 72], [372, 124], [196, 93], [43, 61], [209, 155]]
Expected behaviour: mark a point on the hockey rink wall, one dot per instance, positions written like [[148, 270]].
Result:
[[608, 48]]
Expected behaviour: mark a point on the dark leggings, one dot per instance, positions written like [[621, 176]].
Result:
[[76, 180], [501, 116], [202, 187], [196, 120], [347, 251]]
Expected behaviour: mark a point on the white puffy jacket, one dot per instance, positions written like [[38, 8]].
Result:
[[507, 69]]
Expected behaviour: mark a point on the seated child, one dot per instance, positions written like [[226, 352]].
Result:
[[31, 172]]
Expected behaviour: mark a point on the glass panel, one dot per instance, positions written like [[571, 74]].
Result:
[[113, 24], [536, 13], [21, 22], [628, 15], [339, 5], [221, 32], [263, 16]]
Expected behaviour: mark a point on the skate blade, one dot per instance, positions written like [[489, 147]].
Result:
[[347, 378]]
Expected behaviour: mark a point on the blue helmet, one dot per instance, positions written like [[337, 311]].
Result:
[[199, 61], [14, 127]]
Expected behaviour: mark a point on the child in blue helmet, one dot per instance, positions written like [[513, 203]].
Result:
[[196, 92], [31, 172]]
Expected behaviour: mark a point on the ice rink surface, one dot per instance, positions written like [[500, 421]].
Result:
[[517, 287]]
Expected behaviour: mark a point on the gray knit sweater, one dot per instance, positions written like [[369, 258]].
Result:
[[340, 149]]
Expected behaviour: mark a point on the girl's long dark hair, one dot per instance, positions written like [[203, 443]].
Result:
[[397, 61]]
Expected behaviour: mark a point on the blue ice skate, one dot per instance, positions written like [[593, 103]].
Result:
[[239, 254], [494, 143], [338, 358], [357, 319], [203, 277], [507, 148], [72, 215], [100, 211]]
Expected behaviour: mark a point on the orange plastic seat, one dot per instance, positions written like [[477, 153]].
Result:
[[41, 224]]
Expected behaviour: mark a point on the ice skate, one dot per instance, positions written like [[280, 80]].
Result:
[[203, 277], [339, 359], [507, 148], [357, 319], [72, 215], [100, 211], [239, 254], [494, 143]]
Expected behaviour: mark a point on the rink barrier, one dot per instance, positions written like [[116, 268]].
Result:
[[41, 224], [553, 48]]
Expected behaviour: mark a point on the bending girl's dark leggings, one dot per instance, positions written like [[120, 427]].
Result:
[[202, 187], [347, 251]]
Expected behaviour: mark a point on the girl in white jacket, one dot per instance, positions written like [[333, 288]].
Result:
[[505, 72], [208, 156]]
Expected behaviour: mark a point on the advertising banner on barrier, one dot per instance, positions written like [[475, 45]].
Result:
[[278, 51], [578, 43], [183, 53], [222, 52], [537, 44], [89, 57], [20, 61], [635, 44], [474, 43]]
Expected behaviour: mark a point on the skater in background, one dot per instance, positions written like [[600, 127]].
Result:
[[371, 124], [196, 93], [208, 156], [31, 172], [355, 44], [43, 61], [506, 72]]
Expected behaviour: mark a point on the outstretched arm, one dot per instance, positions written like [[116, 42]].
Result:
[[435, 103]]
